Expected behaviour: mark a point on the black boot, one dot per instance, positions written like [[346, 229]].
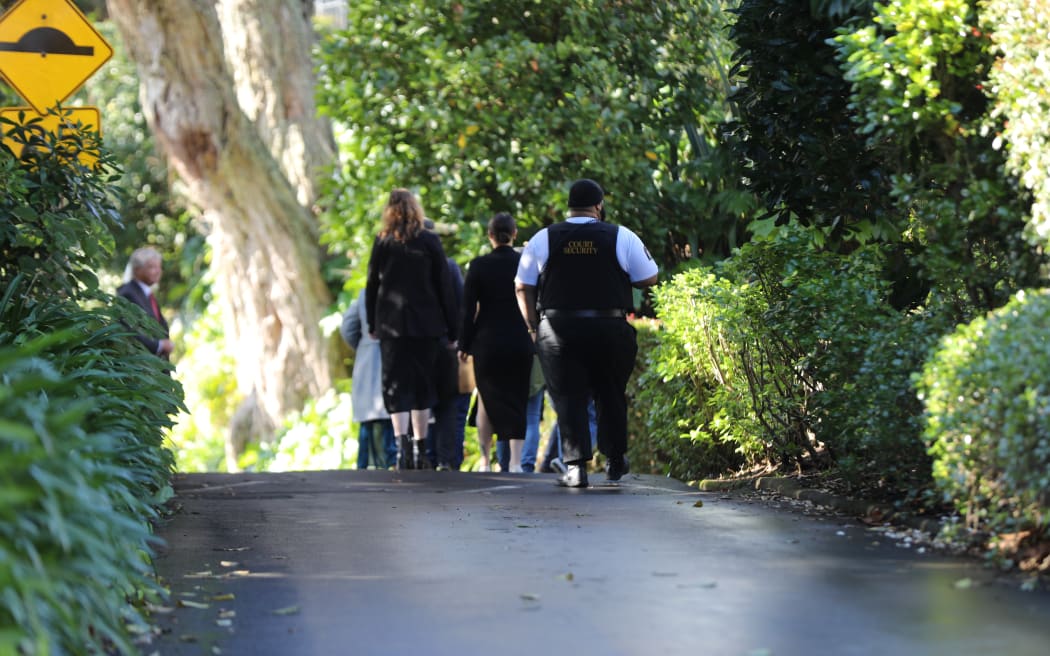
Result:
[[404, 452], [419, 455]]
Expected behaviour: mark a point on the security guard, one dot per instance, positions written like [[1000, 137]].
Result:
[[574, 284]]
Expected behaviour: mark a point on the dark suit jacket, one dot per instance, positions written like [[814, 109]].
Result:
[[410, 291], [133, 292]]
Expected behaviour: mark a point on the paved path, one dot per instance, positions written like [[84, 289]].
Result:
[[434, 563]]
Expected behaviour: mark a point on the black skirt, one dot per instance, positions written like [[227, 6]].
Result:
[[503, 377], [411, 372]]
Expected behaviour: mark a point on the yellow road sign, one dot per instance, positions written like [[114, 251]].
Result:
[[48, 49], [72, 121]]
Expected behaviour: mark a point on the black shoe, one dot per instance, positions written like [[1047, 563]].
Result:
[[574, 476], [616, 468]]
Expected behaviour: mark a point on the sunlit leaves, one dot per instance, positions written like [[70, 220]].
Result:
[[1020, 83], [905, 68]]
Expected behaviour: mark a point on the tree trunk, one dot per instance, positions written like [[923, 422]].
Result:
[[265, 253], [269, 47]]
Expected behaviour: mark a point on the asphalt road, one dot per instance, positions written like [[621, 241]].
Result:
[[433, 563]]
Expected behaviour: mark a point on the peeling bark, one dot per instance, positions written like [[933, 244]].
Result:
[[250, 170]]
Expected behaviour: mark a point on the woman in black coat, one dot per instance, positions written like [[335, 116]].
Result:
[[411, 309], [496, 335]]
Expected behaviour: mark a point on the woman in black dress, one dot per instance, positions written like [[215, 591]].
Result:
[[411, 308], [496, 335]]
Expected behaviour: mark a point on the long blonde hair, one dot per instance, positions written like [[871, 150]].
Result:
[[402, 216]]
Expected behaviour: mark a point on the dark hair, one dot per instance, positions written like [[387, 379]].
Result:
[[502, 228]]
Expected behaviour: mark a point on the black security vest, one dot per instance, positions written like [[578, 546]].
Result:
[[582, 272]]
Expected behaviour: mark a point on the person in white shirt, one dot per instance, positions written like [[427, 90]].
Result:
[[574, 286]]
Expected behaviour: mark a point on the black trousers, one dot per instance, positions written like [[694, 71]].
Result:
[[584, 357]]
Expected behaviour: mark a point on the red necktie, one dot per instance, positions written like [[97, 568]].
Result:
[[156, 308]]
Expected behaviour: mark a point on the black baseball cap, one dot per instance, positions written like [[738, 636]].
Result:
[[585, 193]]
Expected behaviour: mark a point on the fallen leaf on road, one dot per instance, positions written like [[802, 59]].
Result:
[[229, 563], [567, 576], [287, 610], [528, 596], [698, 504], [223, 622], [199, 575], [223, 597], [963, 584], [186, 603], [227, 614]]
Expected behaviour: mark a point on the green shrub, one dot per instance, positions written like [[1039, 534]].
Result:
[[83, 410], [880, 452], [794, 357], [669, 423], [81, 472], [799, 323], [987, 400]]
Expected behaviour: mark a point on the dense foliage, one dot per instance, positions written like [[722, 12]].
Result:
[[83, 412], [795, 128], [1018, 83], [780, 343], [498, 106], [918, 74]]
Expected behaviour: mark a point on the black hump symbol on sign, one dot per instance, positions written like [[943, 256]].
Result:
[[47, 41]]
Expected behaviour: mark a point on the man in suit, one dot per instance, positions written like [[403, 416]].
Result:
[[142, 275]]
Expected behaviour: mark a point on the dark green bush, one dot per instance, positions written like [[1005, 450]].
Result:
[[880, 452], [74, 532], [83, 409], [987, 400]]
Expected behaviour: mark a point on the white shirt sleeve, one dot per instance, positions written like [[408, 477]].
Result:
[[633, 256], [533, 259]]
